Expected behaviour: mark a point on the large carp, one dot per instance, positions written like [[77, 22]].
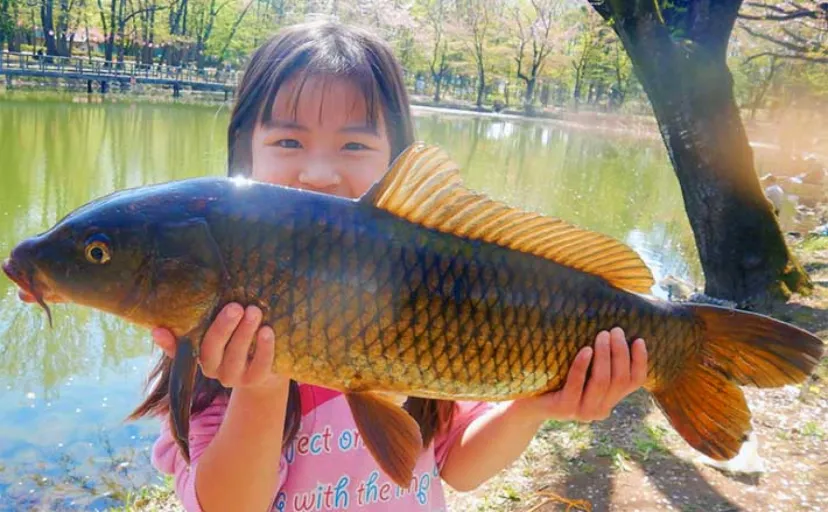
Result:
[[421, 287]]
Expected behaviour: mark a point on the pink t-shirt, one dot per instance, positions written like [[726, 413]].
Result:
[[326, 467]]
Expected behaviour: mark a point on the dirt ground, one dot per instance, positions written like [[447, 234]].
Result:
[[634, 461]]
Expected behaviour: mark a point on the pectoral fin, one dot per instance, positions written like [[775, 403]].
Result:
[[391, 435], [182, 377]]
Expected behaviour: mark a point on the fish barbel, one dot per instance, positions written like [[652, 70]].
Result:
[[421, 287]]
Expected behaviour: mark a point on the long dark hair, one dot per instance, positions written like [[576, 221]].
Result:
[[301, 51]]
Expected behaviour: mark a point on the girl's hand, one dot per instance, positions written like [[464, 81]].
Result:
[[226, 349], [617, 371]]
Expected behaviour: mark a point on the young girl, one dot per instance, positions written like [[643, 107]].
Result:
[[323, 107]]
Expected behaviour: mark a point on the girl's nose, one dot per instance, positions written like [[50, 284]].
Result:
[[320, 176]]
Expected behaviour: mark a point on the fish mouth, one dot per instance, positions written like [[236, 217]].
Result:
[[32, 287]]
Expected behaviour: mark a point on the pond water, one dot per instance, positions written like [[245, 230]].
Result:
[[65, 391]]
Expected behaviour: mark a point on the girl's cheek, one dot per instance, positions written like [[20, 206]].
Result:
[[361, 178], [276, 171]]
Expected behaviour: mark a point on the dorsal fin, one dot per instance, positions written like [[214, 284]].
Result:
[[424, 186]]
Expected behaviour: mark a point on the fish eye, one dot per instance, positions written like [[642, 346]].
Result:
[[97, 250]]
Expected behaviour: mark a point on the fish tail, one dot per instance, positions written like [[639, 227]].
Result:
[[704, 402]]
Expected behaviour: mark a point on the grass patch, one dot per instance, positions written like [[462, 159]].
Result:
[[821, 371], [815, 243], [566, 437], [579, 466], [151, 498], [812, 429], [509, 493], [619, 457], [650, 442], [620, 460], [604, 447]]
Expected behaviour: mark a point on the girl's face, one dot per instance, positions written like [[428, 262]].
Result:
[[327, 144]]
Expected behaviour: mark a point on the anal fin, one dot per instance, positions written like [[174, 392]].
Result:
[[391, 435]]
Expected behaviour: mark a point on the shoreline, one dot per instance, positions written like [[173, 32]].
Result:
[[802, 173], [763, 136]]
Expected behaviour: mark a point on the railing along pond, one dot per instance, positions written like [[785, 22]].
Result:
[[28, 64]]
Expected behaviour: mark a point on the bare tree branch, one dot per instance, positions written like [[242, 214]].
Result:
[[799, 11], [806, 58], [784, 44], [784, 17], [141, 11]]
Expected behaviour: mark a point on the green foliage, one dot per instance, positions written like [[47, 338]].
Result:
[[569, 52]]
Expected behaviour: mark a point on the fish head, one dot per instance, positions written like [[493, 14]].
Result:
[[140, 256], [79, 262]]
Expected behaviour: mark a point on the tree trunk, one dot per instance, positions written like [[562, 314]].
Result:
[[576, 93], [13, 33], [481, 85], [6, 24], [529, 97], [146, 52], [230, 37], [759, 96], [121, 31], [48, 23], [600, 89], [63, 39], [741, 247], [437, 72], [110, 38], [544, 95]]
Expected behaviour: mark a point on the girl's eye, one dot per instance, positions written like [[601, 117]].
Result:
[[354, 146], [289, 143]]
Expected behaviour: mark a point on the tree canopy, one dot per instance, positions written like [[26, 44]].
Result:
[[514, 53]]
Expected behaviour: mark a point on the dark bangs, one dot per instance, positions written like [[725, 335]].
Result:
[[319, 49]]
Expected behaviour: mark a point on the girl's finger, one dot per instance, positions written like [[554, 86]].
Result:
[[599, 380], [234, 363], [620, 361], [165, 340], [639, 363], [217, 337], [570, 396], [260, 367]]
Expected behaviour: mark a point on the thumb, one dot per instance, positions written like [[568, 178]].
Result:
[[165, 340]]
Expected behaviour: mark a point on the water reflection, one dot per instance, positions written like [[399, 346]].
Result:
[[620, 187], [65, 391]]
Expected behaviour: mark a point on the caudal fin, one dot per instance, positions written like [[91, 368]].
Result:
[[704, 403]]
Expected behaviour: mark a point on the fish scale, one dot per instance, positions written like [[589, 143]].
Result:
[[421, 287], [472, 315]]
